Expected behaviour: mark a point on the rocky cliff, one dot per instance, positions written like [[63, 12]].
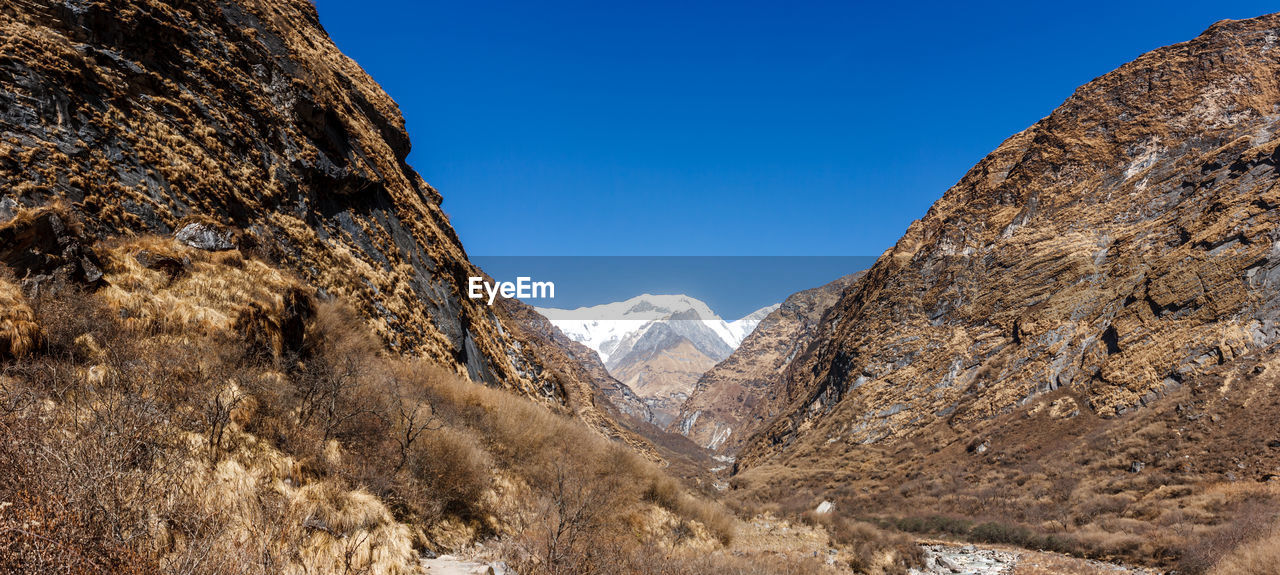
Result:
[[1075, 348], [744, 392], [1120, 247], [240, 126], [142, 116]]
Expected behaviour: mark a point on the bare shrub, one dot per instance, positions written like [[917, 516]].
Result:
[[452, 473], [874, 550], [1237, 541], [1260, 557]]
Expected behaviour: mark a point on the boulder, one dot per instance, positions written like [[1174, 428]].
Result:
[[205, 237]]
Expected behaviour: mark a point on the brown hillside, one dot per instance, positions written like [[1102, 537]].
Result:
[[1120, 247], [145, 116], [1073, 349], [142, 115]]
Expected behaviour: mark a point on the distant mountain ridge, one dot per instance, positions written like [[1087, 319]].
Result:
[[614, 329], [658, 345]]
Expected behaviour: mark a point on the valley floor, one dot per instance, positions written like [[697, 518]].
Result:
[[768, 537], [946, 558]]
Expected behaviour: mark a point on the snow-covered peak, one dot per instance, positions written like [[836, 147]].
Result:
[[743, 327], [641, 307], [606, 327]]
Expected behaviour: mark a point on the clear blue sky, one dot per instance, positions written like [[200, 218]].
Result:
[[726, 128]]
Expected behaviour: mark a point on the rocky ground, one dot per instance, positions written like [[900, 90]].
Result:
[[450, 565], [949, 559]]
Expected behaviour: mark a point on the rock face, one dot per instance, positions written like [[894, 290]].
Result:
[[40, 246], [1120, 247], [238, 124], [662, 371], [744, 392]]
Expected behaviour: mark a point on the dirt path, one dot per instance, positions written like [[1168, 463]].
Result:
[[449, 565]]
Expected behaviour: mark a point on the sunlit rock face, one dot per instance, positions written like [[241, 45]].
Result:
[[1120, 247], [237, 124]]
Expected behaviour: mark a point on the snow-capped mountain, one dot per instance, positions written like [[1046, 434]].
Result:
[[608, 328], [658, 345]]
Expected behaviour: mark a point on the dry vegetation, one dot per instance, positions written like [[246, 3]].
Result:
[[1186, 484], [205, 413], [1258, 556]]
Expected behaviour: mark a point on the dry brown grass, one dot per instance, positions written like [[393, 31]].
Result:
[[19, 332], [1062, 484], [1259, 557], [193, 291], [108, 468], [172, 423], [872, 549]]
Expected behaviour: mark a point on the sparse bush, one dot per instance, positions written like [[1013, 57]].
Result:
[[1260, 557], [873, 550], [452, 471], [993, 532], [1239, 542]]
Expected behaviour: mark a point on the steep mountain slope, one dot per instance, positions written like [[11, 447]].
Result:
[[1076, 338], [740, 394], [1120, 246], [145, 116], [663, 373], [192, 196]]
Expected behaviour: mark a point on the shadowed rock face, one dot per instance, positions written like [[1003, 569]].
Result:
[[742, 393], [1119, 247], [143, 116]]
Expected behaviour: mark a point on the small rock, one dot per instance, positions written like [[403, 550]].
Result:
[[949, 565], [92, 274], [8, 209], [1136, 466], [824, 508], [204, 237]]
